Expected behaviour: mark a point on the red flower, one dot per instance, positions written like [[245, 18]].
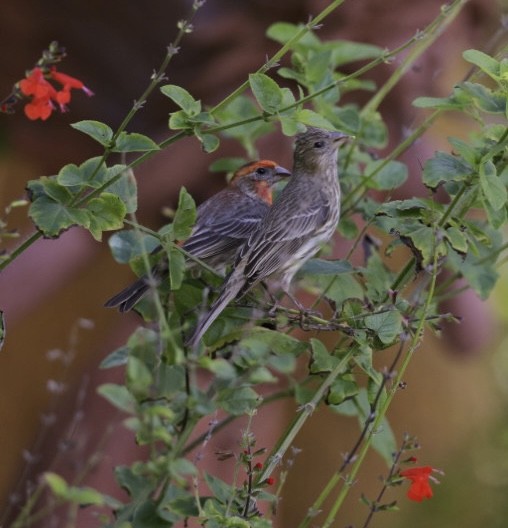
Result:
[[420, 488], [258, 466], [44, 93], [69, 82], [35, 84], [270, 481], [39, 108]]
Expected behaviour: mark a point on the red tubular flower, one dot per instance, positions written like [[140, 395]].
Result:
[[258, 465], [44, 93], [420, 488], [270, 481], [69, 82], [35, 84]]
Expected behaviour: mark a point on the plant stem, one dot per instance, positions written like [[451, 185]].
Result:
[[305, 412], [426, 38], [415, 342], [275, 58]]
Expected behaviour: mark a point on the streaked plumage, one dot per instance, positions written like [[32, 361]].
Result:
[[223, 223], [303, 217]]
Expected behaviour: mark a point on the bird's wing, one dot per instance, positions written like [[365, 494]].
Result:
[[281, 235], [223, 225]]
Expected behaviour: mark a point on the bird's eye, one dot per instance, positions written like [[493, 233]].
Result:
[[319, 144], [261, 170]]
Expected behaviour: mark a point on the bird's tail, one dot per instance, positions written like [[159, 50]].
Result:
[[128, 297], [232, 285]]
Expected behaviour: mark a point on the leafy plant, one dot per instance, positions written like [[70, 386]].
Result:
[[368, 310]]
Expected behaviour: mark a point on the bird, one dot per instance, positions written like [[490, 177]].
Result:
[[302, 218], [223, 223]]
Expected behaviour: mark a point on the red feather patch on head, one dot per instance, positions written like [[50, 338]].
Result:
[[251, 167]]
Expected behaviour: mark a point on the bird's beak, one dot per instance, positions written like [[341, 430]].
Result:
[[281, 172], [340, 137]]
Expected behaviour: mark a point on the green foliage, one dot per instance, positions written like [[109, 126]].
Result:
[[369, 309], [64, 200]]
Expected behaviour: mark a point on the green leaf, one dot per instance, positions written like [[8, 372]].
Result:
[[345, 52], [464, 150], [176, 268], [185, 216], [491, 185], [209, 142], [282, 32], [135, 485], [238, 401], [457, 239], [422, 243], [486, 99], [390, 176], [372, 130], [95, 172], [443, 103], [48, 187], [342, 388], [338, 288], [116, 358], [83, 496], [242, 108], [378, 278], [176, 503], [107, 213], [179, 120], [387, 325], [263, 341], [476, 269], [227, 164], [384, 442], [444, 167], [96, 130], [496, 218], [146, 515], [126, 245], [119, 396], [139, 378], [57, 484], [134, 142], [322, 360], [51, 218], [70, 175], [182, 98], [221, 491], [486, 63], [347, 228], [125, 187], [222, 368], [311, 118], [318, 266], [289, 124], [363, 358], [267, 92]]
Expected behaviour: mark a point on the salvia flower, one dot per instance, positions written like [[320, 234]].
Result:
[[420, 487], [43, 94]]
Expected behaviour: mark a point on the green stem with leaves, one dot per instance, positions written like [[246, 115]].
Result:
[[287, 438]]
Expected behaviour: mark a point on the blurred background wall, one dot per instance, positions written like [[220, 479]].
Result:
[[456, 401]]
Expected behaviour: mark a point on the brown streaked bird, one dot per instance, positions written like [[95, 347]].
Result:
[[303, 217], [223, 223]]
